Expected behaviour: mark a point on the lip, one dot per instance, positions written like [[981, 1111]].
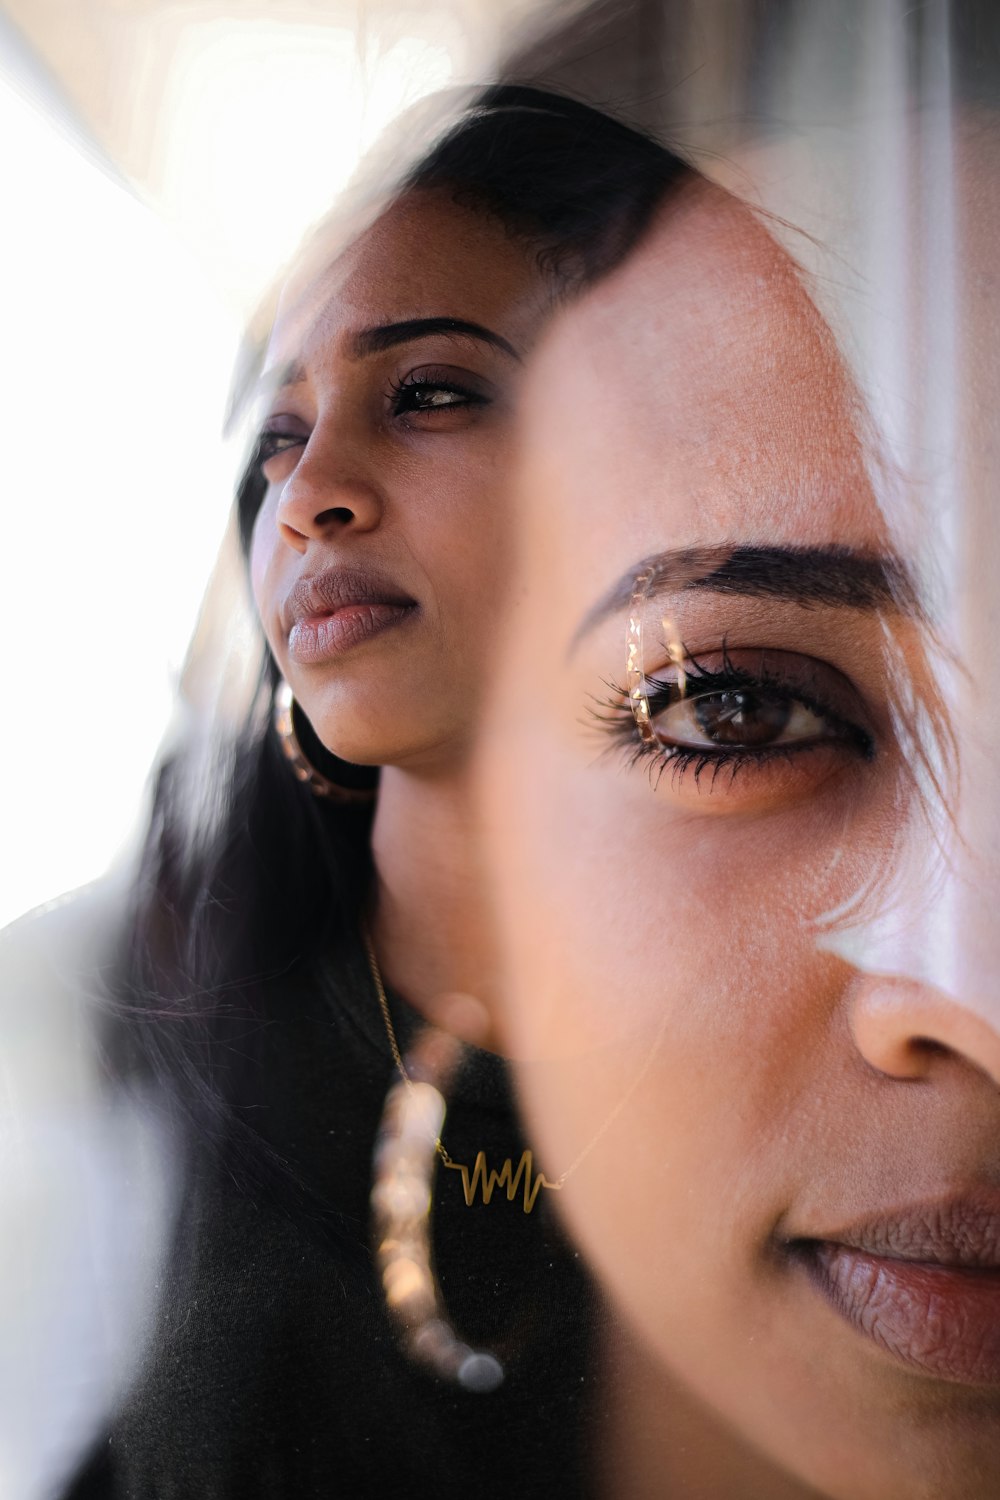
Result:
[[338, 609], [922, 1284]]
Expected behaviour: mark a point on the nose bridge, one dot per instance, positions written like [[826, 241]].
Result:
[[335, 481]]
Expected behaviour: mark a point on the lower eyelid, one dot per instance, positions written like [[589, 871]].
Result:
[[276, 468], [757, 780], [742, 778], [840, 738]]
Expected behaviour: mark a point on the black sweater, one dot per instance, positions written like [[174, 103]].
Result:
[[273, 1369]]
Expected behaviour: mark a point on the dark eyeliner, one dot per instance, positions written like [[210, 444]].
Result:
[[269, 444], [404, 398], [613, 716], [280, 433]]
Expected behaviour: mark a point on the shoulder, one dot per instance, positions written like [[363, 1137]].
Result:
[[54, 966], [86, 1190], [76, 924]]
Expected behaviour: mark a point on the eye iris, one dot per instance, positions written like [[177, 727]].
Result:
[[430, 395], [742, 717]]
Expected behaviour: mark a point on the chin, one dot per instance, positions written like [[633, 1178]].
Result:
[[386, 749], [354, 728], [408, 738], [358, 751]]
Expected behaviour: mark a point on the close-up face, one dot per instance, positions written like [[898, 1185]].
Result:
[[379, 553], [781, 1162]]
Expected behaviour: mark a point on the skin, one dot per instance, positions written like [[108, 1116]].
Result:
[[682, 1015], [420, 496]]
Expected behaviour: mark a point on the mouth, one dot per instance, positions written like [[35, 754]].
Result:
[[339, 609], [923, 1285]]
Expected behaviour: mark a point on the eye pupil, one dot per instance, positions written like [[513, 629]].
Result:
[[742, 717]]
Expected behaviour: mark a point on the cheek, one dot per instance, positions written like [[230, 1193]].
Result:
[[678, 1035], [673, 1023], [613, 905], [464, 552], [263, 563]]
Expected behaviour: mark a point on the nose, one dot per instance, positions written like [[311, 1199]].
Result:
[[926, 957], [332, 488], [908, 1029]]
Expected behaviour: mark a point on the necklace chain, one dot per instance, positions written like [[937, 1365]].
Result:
[[581, 1156], [390, 1030]]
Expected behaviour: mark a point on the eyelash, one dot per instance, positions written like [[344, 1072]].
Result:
[[271, 443], [404, 402], [402, 394], [614, 716]]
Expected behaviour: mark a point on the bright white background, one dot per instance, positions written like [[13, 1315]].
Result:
[[115, 488], [121, 326]]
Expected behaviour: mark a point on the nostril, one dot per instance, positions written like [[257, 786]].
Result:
[[928, 1047], [905, 1029], [339, 513]]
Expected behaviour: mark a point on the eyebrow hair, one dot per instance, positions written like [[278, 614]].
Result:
[[835, 576], [379, 338], [387, 335]]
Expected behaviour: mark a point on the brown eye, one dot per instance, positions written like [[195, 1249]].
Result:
[[282, 435], [746, 718], [758, 728], [272, 443], [433, 390], [427, 397], [743, 717]]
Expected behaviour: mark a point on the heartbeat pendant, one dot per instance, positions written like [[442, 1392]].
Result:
[[509, 1177]]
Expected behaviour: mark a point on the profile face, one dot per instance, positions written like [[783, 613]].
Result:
[[787, 1168], [378, 555]]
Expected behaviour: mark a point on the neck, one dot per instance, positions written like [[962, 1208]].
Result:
[[660, 1439], [430, 921]]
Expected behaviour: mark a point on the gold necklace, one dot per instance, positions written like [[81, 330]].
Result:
[[480, 1177], [512, 1179]]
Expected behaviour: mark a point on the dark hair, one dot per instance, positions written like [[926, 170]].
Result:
[[576, 185], [281, 875]]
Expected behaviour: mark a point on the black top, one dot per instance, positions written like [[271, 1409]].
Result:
[[274, 1369]]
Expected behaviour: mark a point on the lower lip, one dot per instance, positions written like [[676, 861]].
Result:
[[943, 1320], [322, 637]]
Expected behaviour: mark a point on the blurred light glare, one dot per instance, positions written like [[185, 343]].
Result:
[[116, 362], [266, 124], [122, 331]]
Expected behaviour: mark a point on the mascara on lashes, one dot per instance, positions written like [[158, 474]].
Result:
[[614, 716]]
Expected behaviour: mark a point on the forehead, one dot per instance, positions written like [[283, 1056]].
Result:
[[424, 255], [694, 398]]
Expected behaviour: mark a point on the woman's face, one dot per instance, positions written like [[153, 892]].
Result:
[[379, 553], [787, 1168]]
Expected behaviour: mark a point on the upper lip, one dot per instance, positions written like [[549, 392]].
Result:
[[336, 588], [958, 1231]]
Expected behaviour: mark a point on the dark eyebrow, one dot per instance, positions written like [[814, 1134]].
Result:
[[835, 577], [387, 335]]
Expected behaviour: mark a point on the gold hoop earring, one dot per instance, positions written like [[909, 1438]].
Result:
[[360, 783], [407, 1144]]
